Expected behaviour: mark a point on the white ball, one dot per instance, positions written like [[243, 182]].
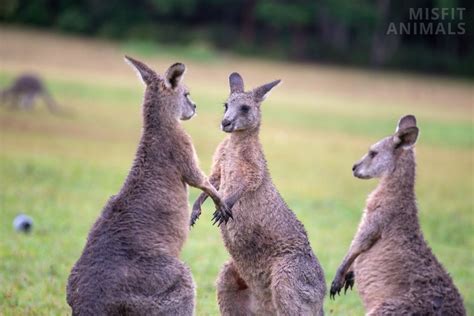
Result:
[[23, 223]]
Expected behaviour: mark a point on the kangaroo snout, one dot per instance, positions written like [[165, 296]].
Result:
[[226, 125], [358, 173], [354, 170], [225, 122]]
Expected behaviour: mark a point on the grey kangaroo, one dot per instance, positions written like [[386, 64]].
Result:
[[24, 91], [130, 264], [272, 270], [396, 271]]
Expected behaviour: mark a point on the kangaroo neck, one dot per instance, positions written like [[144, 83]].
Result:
[[159, 132], [157, 120], [245, 137], [398, 187]]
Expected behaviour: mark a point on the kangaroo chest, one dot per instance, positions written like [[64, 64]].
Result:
[[244, 235], [249, 242], [232, 173], [247, 236]]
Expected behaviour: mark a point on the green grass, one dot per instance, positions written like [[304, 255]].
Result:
[[199, 52], [62, 170]]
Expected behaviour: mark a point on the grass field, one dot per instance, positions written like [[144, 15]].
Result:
[[62, 170]]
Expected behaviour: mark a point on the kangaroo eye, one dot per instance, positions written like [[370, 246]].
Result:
[[225, 106], [245, 108], [372, 154]]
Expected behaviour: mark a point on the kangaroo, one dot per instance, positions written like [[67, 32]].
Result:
[[24, 91], [272, 270], [396, 271], [130, 264]]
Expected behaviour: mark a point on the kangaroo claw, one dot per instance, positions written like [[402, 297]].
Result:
[[220, 217], [195, 216], [336, 287], [341, 282], [349, 281]]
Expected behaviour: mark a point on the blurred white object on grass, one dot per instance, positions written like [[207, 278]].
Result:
[[23, 223]]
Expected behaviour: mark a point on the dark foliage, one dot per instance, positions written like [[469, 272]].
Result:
[[340, 31]]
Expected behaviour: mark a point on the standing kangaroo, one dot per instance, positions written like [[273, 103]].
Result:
[[24, 91], [396, 272], [130, 264], [273, 270]]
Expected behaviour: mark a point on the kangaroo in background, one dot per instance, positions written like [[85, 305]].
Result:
[[396, 271], [24, 91], [130, 264], [273, 270]]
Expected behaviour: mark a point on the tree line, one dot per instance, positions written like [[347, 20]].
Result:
[[376, 33]]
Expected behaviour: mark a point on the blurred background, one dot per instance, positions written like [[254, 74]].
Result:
[[341, 31], [350, 70]]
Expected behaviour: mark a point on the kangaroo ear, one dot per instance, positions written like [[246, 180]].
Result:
[[261, 92], [406, 122], [236, 83], [174, 74], [406, 137], [145, 73]]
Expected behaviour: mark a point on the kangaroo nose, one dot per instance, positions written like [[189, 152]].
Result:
[[225, 123], [194, 106], [354, 167]]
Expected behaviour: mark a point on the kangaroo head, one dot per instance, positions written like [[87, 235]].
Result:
[[242, 109], [382, 157], [166, 95]]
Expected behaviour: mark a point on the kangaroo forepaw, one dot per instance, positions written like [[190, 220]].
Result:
[[194, 216], [340, 282], [349, 281], [336, 287], [221, 215]]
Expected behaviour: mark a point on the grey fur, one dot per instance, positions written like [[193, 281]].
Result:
[[130, 264], [273, 270], [396, 271]]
